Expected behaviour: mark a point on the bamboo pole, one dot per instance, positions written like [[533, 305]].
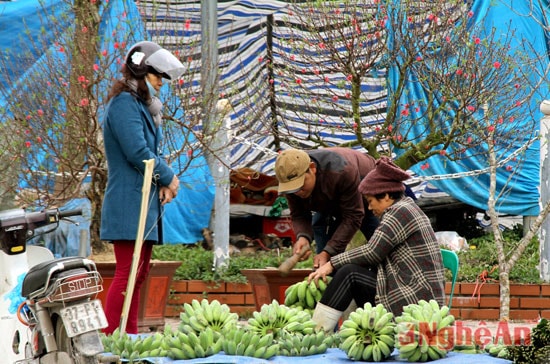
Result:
[[146, 189]]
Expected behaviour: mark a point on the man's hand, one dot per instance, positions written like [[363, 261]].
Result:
[[299, 245], [320, 259]]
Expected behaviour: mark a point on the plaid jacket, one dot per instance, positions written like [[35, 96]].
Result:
[[405, 251]]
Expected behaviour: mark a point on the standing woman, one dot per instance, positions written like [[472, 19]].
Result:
[[399, 265], [132, 134]]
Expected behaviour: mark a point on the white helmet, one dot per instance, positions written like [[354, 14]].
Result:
[[148, 57]]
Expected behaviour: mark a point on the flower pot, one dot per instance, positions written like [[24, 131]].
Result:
[[154, 291], [268, 284]]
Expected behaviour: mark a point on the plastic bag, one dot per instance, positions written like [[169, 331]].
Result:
[[451, 240]]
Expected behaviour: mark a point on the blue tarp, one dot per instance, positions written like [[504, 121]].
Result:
[[334, 356]]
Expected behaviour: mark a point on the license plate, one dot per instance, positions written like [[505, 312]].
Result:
[[84, 317]]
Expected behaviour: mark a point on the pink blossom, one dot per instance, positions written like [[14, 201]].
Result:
[[405, 112], [496, 64], [28, 144], [477, 40], [96, 67], [470, 14], [104, 53], [40, 112], [84, 102], [29, 117], [349, 78], [187, 24], [335, 98], [509, 168], [425, 166], [470, 108], [84, 29], [491, 128], [326, 79]]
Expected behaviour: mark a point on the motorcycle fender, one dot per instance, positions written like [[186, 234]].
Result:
[[56, 357], [88, 344]]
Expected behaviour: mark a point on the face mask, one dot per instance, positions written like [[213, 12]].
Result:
[[152, 90]]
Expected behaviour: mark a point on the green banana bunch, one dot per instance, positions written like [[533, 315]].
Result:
[[368, 334], [133, 348], [305, 295], [299, 344], [240, 341], [422, 332], [497, 350], [276, 318], [183, 346], [198, 315]]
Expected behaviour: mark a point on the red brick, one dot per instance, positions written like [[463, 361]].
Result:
[[524, 314], [179, 286], [228, 299], [545, 314], [533, 302], [200, 286], [249, 299], [489, 302], [173, 311], [181, 298], [479, 314], [238, 287], [465, 301], [525, 290], [468, 289], [545, 290], [514, 302]]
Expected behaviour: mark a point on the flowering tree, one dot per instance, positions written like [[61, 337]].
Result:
[[456, 91]]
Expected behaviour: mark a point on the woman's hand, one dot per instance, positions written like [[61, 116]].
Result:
[[165, 195], [321, 273], [174, 186]]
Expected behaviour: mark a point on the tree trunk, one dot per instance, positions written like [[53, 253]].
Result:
[[504, 283]]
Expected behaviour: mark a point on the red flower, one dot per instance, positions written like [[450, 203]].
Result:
[[496, 64], [187, 24], [470, 108], [40, 112], [425, 166], [491, 128], [84, 102], [477, 40], [28, 144], [96, 67], [509, 168], [39, 139], [84, 29], [405, 112], [335, 98], [298, 81]]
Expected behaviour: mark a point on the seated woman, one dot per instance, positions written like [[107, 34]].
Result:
[[400, 264]]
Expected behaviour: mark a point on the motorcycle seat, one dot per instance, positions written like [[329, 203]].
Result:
[[40, 274]]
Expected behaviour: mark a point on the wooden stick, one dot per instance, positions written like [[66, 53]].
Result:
[[146, 189]]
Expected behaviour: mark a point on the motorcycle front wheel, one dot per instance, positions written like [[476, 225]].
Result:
[[65, 343]]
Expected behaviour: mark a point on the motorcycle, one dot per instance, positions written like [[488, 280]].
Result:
[[49, 307]]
